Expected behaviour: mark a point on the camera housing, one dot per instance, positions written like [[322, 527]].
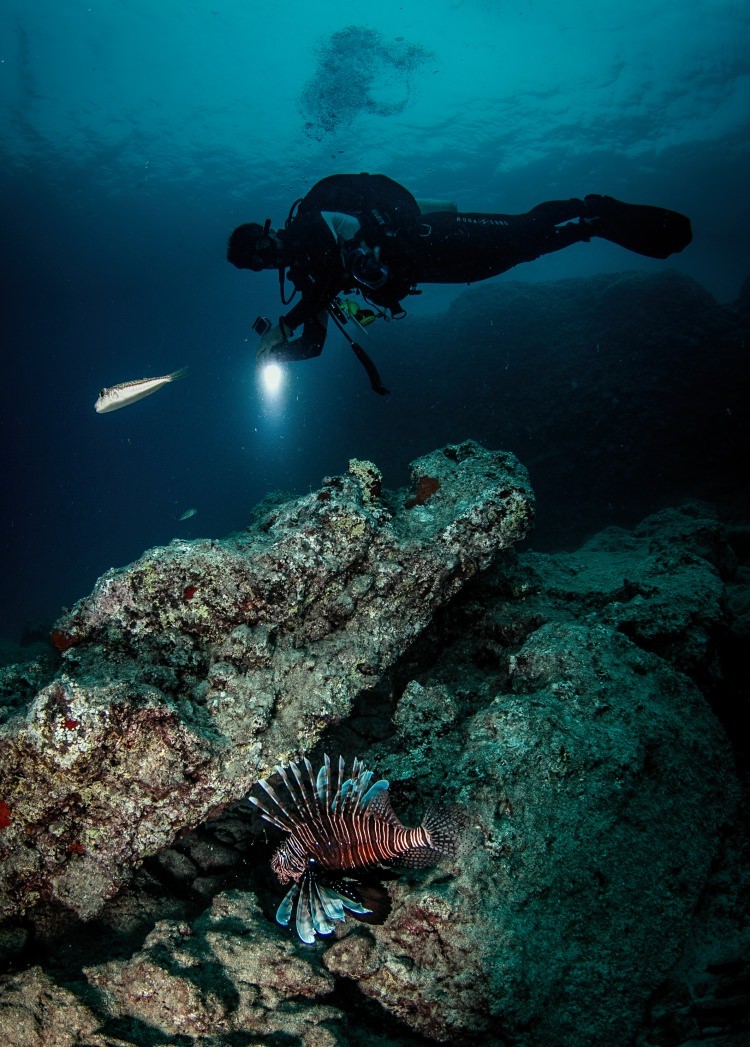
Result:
[[261, 325]]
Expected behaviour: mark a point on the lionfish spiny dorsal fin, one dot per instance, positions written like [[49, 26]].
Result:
[[323, 783], [305, 799], [283, 820], [357, 768], [311, 791], [372, 793], [267, 788], [292, 817], [300, 795], [266, 814], [351, 789], [351, 792], [340, 783], [380, 804], [281, 771], [341, 796], [321, 811], [311, 778], [309, 795], [360, 788]]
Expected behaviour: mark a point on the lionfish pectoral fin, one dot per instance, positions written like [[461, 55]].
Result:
[[364, 897], [284, 911], [330, 901], [304, 919], [350, 904], [321, 916], [377, 902], [317, 908]]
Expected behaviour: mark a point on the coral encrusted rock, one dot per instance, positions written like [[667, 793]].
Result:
[[562, 704], [189, 673]]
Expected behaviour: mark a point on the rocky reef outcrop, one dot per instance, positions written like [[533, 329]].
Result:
[[574, 705], [189, 673]]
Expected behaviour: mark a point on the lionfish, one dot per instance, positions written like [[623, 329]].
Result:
[[342, 839]]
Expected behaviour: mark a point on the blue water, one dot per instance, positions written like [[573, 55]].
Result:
[[136, 134]]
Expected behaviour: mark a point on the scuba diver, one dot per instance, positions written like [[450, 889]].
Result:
[[367, 235]]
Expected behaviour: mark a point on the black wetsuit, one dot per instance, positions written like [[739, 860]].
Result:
[[442, 246], [462, 248]]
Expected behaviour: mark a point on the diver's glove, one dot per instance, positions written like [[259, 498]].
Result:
[[270, 343]]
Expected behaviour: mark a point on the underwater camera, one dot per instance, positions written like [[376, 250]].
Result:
[[261, 325]]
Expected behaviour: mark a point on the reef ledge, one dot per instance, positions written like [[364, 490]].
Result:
[[188, 674]]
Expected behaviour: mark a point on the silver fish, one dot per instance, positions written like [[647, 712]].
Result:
[[126, 393], [187, 515]]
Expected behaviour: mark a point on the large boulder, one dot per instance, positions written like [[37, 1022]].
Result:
[[598, 782]]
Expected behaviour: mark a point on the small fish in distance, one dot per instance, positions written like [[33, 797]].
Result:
[[126, 393], [343, 837], [187, 515]]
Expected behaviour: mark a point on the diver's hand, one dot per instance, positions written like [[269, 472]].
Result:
[[269, 343]]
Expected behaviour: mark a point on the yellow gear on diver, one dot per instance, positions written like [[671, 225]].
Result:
[[352, 309]]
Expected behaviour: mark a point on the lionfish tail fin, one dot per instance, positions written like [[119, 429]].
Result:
[[446, 827]]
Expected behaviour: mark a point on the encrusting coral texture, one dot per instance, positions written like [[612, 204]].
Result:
[[562, 701], [187, 675]]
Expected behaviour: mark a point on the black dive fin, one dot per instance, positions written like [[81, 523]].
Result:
[[372, 371], [652, 231]]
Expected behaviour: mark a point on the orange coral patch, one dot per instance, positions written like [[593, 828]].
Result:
[[63, 641], [426, 487]]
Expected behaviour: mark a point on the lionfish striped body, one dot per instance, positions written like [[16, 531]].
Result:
[[339, 833]]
